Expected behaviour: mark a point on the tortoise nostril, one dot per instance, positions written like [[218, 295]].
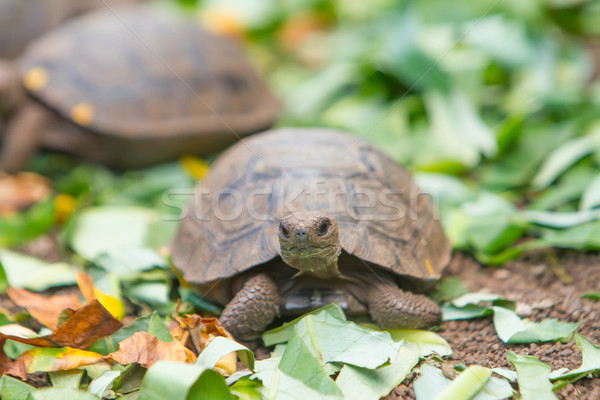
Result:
[[301, 234]]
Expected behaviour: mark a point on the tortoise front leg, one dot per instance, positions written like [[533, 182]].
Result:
[[252, 309], [392, 307], [23, 137]]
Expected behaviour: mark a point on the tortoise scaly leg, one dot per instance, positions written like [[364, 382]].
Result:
[[253, 308], [392, 307]]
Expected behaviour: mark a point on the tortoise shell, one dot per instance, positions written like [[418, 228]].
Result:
[[23, 20], [134, 73], [383, 218]]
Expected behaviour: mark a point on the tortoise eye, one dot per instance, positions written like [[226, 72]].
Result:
[[284, 231], [324, 227]]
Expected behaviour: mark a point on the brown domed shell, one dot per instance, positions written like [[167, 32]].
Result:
[[137, 72], [383, 218]]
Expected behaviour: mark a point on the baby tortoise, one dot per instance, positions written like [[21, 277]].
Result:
[[131, 87], [293, 219]]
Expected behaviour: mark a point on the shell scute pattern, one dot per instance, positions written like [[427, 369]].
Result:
[[405, 237]]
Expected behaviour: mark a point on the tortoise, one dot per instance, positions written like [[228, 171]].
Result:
[[293, 219], [21, 21], [131, 87]]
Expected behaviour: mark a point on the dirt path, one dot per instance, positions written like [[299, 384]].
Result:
[[541, 293]]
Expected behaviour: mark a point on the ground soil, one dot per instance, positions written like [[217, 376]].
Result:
[[544, 285]]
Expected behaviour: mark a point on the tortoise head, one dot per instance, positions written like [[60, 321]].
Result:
[[310, 243]]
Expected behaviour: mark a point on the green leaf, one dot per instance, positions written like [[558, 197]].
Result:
[[424, 342], [111, 230], [470, 382], [512, 329], [365, 384], [591, 197], [179, 381], [60, 394], [102, 383], [218, 348], [283, 333], [565, 156], [448, 289], [591, 295], [128, 260], [334, 340], [474, 383], [14, 389], [151, 323], [299, 361], [66, 379], [451, 312], [280, 386], [590, 355], [560, 219], [247, 389], [532, 376], [31, 273], [582, 237], [16, 229]]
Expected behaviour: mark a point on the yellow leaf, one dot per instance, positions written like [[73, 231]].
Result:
[[64, 205], [113, 304], [195, 166]]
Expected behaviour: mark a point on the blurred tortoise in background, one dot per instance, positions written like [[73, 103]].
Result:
[[21, 21], [294, 219], [131, 87]]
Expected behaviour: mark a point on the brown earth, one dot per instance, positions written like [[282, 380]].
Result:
[[536, 283]]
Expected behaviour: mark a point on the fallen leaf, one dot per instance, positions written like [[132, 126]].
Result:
[[18, 192], [113, 304], [86, 326], [145, 349], [52, 359], [195, 332], [46, 309]]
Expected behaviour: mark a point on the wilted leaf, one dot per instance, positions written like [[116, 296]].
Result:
[[86, 326], [31, 273], [512, 329], [177, 381], [448, 289], [43, 308], [364, 384], [52, 359], [145, 349], [532, 376]]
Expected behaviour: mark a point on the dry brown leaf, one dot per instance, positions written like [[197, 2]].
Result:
[[196, 331], [145, 349], [5, 361], [18, 192], [86, 326], [43, 308]]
